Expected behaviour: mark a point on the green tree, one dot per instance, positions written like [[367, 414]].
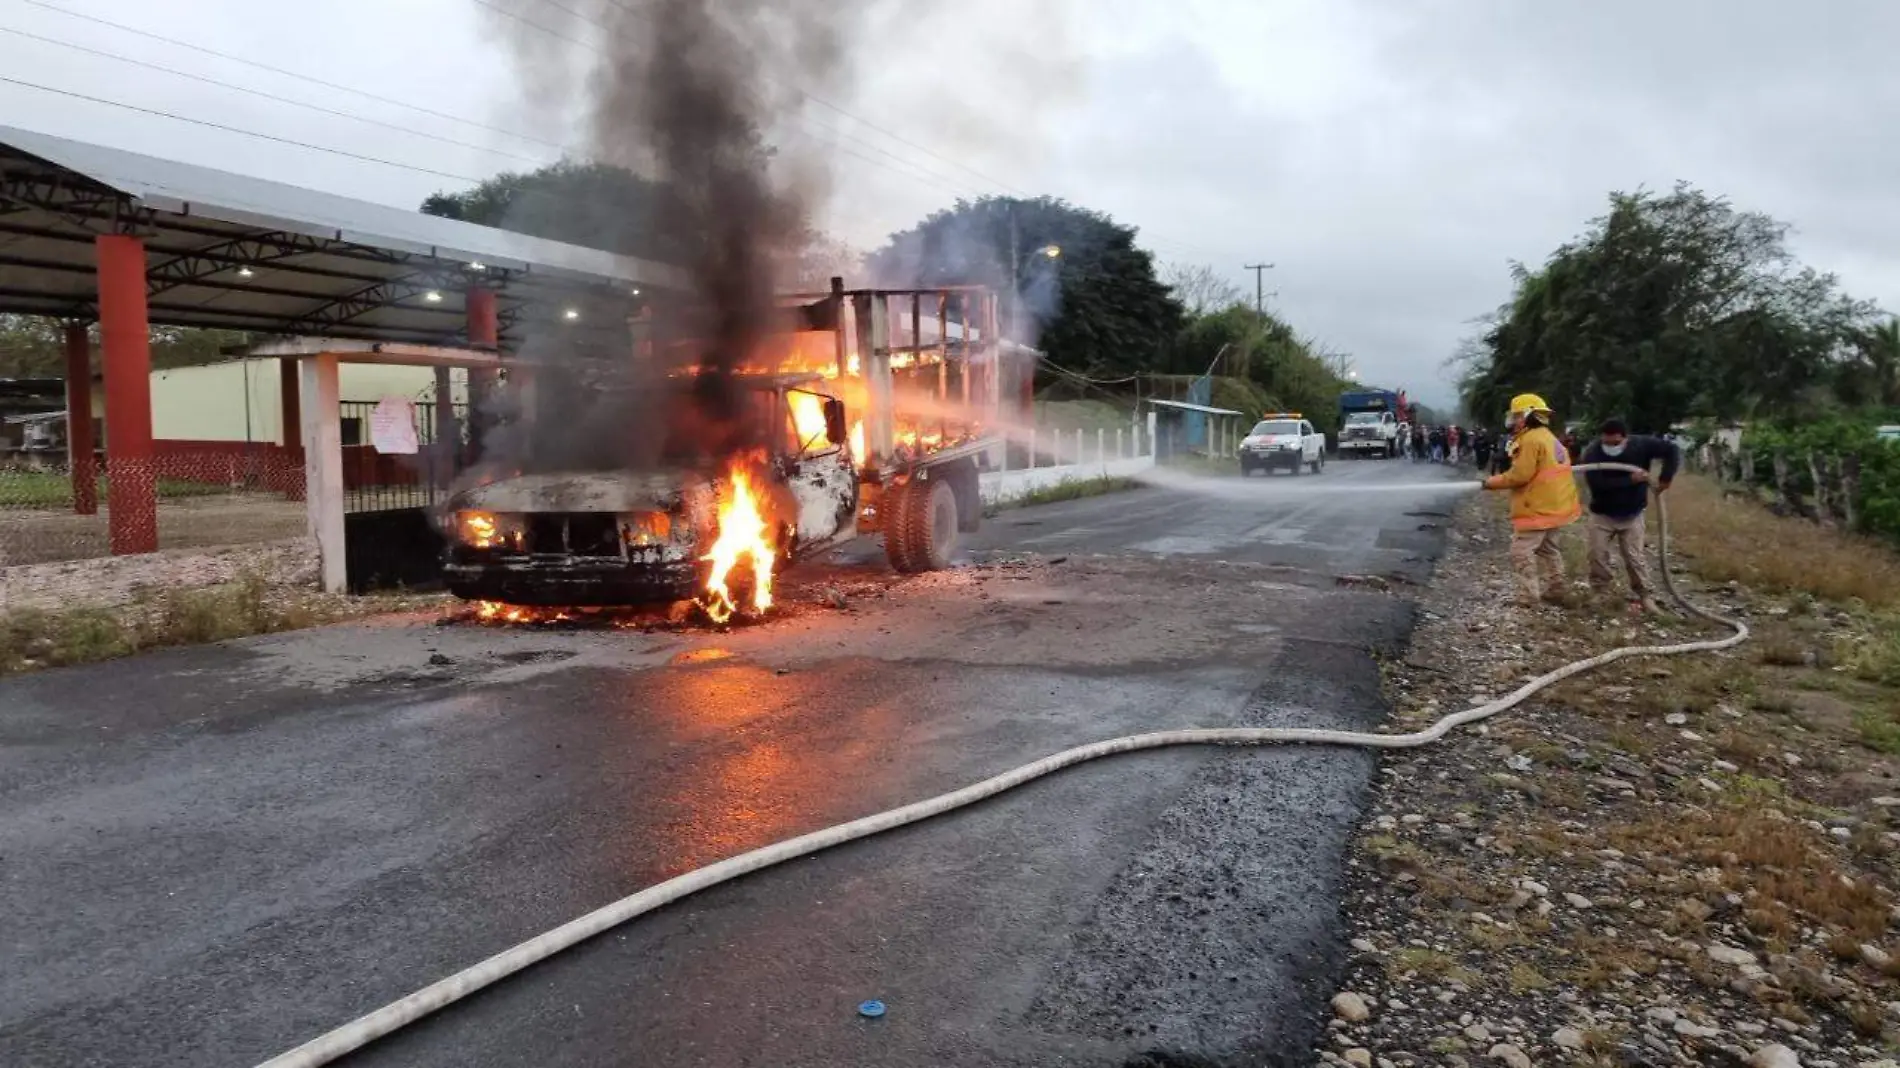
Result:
[[1670, 305], [596, 205], [1871, 376], [33, 346], [1294, 373], [1097, 307]]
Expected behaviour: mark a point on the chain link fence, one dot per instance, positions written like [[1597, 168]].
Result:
[[219, 511], [215, 494]]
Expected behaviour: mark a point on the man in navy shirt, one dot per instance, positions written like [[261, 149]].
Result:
[[1617, 501]]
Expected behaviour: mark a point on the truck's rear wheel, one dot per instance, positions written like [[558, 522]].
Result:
[[922, 534], [896, 512]]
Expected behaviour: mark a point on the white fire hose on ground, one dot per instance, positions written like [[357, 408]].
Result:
[[404, 1011]]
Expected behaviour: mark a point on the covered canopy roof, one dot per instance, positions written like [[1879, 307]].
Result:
[[233, 252]]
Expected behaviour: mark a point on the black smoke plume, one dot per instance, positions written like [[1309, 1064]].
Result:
[[688, 94]]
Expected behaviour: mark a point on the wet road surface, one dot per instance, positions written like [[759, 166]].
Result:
[[211, 855]]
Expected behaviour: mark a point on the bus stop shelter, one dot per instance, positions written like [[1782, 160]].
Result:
[[90, 233], [1189, 426]]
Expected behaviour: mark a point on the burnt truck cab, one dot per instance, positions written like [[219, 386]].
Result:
[[878, 408], [621, 536]]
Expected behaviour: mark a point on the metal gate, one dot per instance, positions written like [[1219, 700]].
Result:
[[375, 482], [389, 534]]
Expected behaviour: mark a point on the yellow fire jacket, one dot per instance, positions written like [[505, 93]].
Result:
[[1543, 493]]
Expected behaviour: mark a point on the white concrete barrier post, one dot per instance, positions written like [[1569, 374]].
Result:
[[1101, 445], [1153, 447], [1118, 443], [1032, 451], [323, 467], [1078, 446]]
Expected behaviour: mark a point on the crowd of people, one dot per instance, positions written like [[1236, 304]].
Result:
[[1451, 444]]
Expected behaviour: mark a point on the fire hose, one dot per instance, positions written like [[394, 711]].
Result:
[[404, 1011]]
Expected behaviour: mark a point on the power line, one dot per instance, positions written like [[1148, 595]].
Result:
[[911, 171], [917, 176], [526, 21], [893, 135], [840, 147], [914, 173], [238, 130], [202, 50], [270, 96], [1080, 377]]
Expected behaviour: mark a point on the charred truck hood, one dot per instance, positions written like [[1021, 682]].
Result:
[[579, 538]]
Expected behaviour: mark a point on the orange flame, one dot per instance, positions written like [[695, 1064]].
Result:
[[808, 416], [743, 534], [501, 612]]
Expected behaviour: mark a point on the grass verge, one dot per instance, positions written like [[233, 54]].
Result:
[[48, 489], [1069, 489], [1729, 539], [33, 638], [1627, 837]]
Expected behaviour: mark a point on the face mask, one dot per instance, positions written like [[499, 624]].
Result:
[[1615, 450]]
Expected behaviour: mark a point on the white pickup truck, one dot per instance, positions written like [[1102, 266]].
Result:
[[1282, 440], [1369, 433]]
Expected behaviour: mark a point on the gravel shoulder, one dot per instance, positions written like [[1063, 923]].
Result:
[[1680, 861]]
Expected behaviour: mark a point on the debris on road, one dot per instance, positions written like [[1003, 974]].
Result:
[[1628, 869]]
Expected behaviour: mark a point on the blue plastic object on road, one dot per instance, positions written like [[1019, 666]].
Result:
[[871, 1009]]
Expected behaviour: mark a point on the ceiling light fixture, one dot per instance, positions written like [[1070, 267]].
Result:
[[433, 296]]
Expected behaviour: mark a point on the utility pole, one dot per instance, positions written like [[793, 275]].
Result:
[[1015, 285], [1259, 286]]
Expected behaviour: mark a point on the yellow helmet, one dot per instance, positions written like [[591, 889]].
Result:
[[1528, 402]]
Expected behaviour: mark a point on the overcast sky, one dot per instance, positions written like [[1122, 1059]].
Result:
[[1389, 156]]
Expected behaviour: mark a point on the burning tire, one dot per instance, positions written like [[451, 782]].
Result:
[[921, 531]]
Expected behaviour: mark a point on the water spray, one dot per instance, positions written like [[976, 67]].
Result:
[[404, 1011]]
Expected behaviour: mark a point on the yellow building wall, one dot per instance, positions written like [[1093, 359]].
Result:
[[240, 400]]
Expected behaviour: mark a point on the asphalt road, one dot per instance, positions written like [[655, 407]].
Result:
[[211, 855]]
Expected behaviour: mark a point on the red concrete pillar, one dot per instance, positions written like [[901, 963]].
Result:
[[290, 420], [484, 332], [484, 324], [125, 334], [79, 440]]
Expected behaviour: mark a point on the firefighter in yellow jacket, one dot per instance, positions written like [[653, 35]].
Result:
[[1543, 499]]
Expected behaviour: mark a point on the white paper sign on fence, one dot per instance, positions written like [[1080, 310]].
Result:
[[392, 427]]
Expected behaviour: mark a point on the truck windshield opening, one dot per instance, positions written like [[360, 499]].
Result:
[[1275, 426], [1361, 418]]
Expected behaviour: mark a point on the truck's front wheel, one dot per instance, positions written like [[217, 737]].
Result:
[[922, 531]]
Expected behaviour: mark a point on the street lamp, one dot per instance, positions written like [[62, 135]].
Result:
[[1050, 252]]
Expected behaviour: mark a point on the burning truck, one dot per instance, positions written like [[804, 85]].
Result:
[[869, 412]]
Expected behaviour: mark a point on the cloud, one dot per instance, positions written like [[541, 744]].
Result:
[[1390, 156], [1392, 159]]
